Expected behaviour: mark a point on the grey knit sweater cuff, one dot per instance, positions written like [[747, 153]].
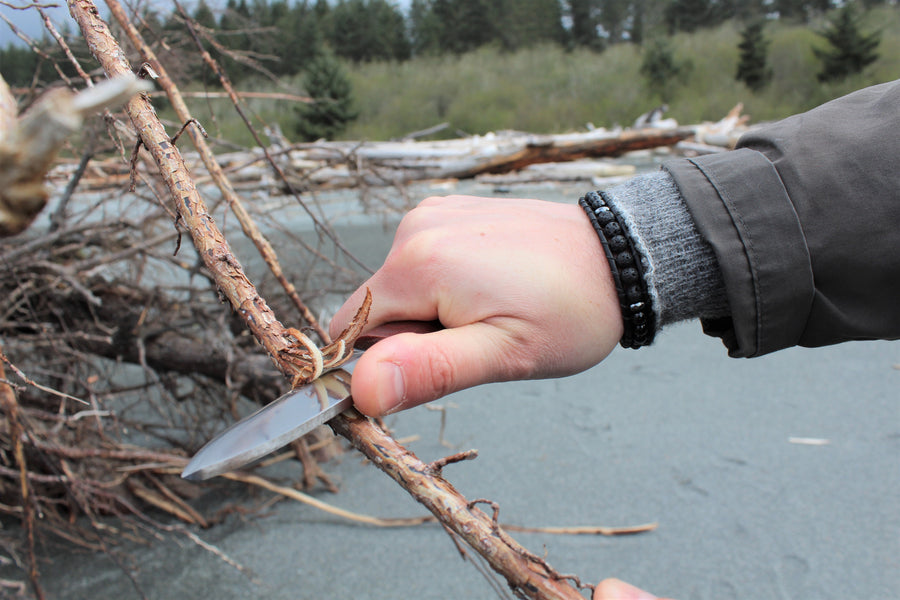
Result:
[[684, 279]]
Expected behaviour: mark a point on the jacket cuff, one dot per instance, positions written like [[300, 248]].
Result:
[[740, 206], [682, 274]]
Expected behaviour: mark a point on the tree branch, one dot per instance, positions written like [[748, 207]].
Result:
[[527, 574]]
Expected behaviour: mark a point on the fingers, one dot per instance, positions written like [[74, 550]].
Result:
[[432, 246], [408, 369], [615, 589]]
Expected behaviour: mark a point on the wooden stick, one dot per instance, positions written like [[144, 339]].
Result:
[[16, 433], [527, 574], [261, 95]]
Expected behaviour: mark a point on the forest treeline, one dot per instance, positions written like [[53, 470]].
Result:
[[283, 36], [313, 43]]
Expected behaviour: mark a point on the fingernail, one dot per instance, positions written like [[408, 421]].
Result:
[[391, 388]]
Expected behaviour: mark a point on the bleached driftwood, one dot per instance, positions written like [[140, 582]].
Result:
[[29, 144], [464, 158], [596, 171], [725, 132], [503, 157]]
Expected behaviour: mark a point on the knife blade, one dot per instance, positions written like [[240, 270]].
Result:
[[291, 416]]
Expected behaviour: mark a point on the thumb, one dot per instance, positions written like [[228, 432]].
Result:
[[409, 369]]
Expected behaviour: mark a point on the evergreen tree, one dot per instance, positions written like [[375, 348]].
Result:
[[204, 16], [425, 28], [464, 24], [613, 18], [753, 69], [331, 109], [646, 19], [18, 65], [300, 37], [364, 30], [801, 9], [233, 25], [742, 10], [661, 70], [349, 36], [637, 22], [524, 23], [585, 17], [850, 50], [690, 15]]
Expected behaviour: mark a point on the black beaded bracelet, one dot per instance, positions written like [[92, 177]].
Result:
[[627, 270]]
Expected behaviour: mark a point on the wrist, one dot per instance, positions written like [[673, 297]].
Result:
[[680, 269], [628, 268]]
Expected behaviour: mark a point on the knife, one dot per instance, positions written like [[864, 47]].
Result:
[[291, 416]]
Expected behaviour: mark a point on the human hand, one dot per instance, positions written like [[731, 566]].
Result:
[[614, 589], [522, 288]]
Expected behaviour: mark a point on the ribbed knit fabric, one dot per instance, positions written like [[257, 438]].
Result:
[[683, 278]]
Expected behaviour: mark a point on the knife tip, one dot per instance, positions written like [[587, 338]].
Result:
[[192, 474]]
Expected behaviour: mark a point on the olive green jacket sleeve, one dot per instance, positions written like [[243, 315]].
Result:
[[804, 220]]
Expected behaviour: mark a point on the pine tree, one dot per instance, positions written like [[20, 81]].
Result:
[[801, 9], [296, 37], [331, 109], [661, 69], [525, 23], [753, 69], [18, 65], [585, 19], [365, 30], [424, 28], [204, 16], [613, 17], [464, 24], [850, 50], [232, 24], [689, 15], [743, 10]]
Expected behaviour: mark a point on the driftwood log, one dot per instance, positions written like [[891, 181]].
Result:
[[502, 157]]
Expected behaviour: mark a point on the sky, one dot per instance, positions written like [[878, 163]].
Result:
[[29, 21]]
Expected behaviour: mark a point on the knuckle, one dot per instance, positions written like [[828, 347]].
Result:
[[415, 222], [431, 201], [420, 253]]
